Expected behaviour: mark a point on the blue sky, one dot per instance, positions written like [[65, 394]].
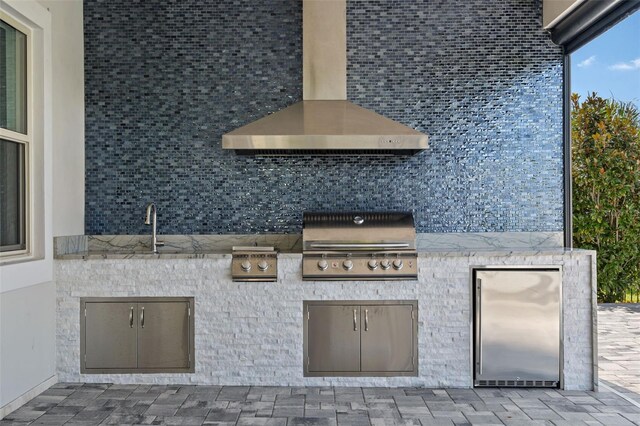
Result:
[[610, 64]]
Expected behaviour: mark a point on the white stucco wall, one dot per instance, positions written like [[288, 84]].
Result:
[[27, 291], [27, 339], [68, 112]]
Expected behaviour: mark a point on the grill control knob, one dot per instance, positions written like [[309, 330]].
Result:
[[348, 265], [373, 264], [397, 264], [263, 265], [246, 266], [385, 264], [322, 265]]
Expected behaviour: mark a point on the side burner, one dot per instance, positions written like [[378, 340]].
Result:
[[254, 264]]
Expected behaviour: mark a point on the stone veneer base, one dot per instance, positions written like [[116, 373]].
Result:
[[251, 333]]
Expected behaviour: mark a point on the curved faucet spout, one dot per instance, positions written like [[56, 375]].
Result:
[[151, 219], [151, 208]]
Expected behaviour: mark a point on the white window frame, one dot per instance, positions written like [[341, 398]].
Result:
[[36, 265], [26, 141]]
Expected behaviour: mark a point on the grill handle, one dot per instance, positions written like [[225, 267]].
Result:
[[346, 246]]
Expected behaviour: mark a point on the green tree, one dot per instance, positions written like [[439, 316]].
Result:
[[606, 190]]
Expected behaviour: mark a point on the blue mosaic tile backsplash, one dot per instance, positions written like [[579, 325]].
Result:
[[166, 78]]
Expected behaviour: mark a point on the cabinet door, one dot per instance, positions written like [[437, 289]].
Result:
[[333, 338], [517, 325], [387, 338], [163, 335], [110, 334]]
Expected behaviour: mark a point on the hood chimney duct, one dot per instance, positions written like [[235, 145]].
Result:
[[324, 50]]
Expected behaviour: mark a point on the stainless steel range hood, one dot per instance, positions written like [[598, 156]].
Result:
[[325, 122]]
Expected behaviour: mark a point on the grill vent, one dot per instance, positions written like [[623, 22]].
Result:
[[328, 152], [382, 219]]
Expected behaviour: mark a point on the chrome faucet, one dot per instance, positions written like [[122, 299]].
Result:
[[151, 219]]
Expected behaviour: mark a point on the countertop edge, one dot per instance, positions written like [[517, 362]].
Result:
[[88, 255]]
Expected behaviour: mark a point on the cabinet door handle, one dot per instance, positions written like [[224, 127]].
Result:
[[355, 320], [366, 320], [142, 317], [131, 318]]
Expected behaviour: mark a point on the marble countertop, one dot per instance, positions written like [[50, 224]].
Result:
[[96, 255], [116, 254], [90, 247]]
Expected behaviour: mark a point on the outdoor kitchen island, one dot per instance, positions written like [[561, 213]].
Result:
[[251, 333]]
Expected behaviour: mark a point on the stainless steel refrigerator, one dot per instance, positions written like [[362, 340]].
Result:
[[517, 326]]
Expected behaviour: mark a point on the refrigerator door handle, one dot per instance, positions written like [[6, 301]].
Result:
[[479, 323]]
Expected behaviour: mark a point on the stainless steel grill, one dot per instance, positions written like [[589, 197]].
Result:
[[359, 246]]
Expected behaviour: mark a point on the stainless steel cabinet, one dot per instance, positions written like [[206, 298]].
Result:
[[335, 346], [387, 338], [111, 331], [517, 326], [360, 338], [163, 335], [136, 335]]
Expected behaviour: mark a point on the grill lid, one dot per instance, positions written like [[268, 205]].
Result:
[[358, 231], [358, 219]]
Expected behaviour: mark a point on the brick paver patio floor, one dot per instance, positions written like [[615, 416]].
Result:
[[614, 404], [619, 347]]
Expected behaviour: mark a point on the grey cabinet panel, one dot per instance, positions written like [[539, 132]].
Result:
[[517, 325], [110, 335], [163, 335], [360, 338], [387, 338], [115, 339], [334, 343]]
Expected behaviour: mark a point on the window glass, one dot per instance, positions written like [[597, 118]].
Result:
[[13, 117], [13, 79], [12, 196]]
